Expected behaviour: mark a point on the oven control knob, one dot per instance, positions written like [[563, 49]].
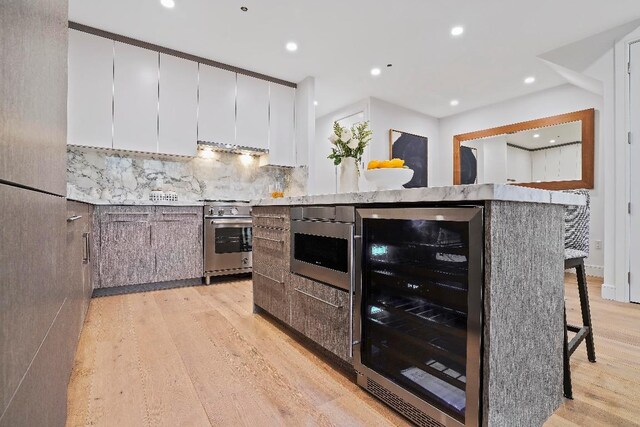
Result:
[[234, 211], [220, 212]]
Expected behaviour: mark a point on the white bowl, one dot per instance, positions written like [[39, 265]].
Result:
[[388, 178]]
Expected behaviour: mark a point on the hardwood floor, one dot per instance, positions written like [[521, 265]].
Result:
[[199, 356]]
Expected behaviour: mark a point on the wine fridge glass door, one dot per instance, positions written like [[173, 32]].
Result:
[[419, 303]]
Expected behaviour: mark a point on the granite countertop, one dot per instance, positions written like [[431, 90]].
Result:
[[135, 202], [454, 193]]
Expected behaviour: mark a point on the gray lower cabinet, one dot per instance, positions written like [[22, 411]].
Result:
[[146, 244], [126, 257], [321, 312], [271, 287], [314, 309], [177, 244], [272, 296], [78, 259]]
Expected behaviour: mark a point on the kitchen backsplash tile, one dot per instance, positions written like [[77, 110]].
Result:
[[212, 175]]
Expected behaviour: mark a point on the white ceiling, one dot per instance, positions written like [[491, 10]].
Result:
[[340, 41]]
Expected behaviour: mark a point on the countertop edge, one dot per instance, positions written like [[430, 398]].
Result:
[[457, 193]]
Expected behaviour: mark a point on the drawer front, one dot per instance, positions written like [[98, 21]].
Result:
[[321, 312], [273, 244], [179, 213], [271, 295], [271, 217], [126, 213]]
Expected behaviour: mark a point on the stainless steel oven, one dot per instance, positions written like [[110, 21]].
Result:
[[418, 311], [322, 244], [227, 239]]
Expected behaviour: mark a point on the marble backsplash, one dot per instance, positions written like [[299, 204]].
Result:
[[127, 176]]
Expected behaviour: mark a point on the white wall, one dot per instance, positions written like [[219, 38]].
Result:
[[305, 120], [322, 172], [558, 100], [385, 116], [382, 116]]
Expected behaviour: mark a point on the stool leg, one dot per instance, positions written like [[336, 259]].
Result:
[[586, 311], [568, 390]]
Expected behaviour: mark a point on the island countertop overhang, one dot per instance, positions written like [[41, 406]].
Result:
[[454, 193]]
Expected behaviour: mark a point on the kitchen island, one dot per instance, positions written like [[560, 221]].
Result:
[[490, 316]]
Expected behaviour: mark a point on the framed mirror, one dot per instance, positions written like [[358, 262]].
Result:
[[553, 153]]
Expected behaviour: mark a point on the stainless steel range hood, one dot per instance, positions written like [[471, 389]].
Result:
[[230, 148]]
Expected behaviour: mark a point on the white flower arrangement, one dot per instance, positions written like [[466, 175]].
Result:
[[349, 142]]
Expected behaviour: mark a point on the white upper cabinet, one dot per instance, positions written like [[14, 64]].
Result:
[[281, 125], [178, 119], [252, 119], [135, 114], [89, 105], [217, 108]]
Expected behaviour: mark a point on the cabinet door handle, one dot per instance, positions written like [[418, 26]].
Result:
[[85, 250], [269, 217], [74, 218], [281, 282], [128, 213], [316, 298], [268, 239], [179, 213]]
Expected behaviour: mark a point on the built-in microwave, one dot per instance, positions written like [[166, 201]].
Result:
[[322, 244]]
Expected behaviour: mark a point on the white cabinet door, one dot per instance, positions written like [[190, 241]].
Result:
[[135, 119], [252, 119], [178, 120], [89, 106], [281, 125], [217, 108]]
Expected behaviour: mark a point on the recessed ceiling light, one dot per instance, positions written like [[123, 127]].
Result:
[[292, 46], [454, 102], [244, 8], [169, 4], [529, 80], [457, 31], [536, 135], [315, 103], [552, 141], [375, 71]]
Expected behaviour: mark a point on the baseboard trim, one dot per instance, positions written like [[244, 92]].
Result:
[[594, 270], [591, 270], [608, 292]]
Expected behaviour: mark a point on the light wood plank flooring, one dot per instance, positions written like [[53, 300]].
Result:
[[199, 356]]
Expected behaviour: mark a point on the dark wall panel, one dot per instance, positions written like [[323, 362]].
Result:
[[33, 93]]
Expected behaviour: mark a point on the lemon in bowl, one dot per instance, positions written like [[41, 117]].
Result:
[[388, 174]]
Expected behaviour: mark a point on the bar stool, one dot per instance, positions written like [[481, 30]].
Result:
[[576, 250]]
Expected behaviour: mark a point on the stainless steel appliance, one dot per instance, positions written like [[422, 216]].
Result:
[[322, 244], [418, 311], [227, 238]]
